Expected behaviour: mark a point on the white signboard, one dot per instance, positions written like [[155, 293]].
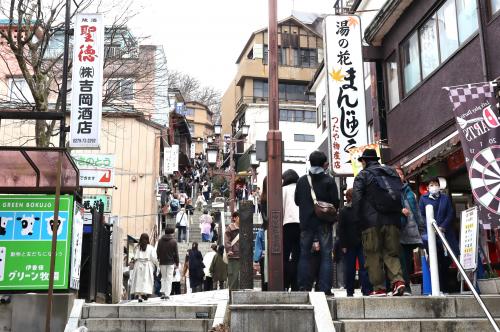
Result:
[[76, 247], [193, 150], [96, 170], [468, 239], [86, 83], [345, 89], [171, 159]]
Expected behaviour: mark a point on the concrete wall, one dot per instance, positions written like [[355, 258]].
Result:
[[26, 312]]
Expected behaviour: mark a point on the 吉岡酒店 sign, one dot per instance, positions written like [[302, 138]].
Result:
[[86, 84], [345, 89]]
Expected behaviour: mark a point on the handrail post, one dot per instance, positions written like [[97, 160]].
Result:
[[431, 240]]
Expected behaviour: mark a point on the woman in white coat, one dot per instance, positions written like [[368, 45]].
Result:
[[144, 267]]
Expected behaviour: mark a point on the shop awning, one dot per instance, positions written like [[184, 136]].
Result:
[[34, 170], [441, 149]]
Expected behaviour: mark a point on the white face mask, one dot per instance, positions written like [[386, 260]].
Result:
[[433, 190]]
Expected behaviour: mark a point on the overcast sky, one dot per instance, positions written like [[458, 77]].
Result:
[[205, 37]]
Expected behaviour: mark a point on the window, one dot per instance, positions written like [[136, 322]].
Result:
[[260, 89], [295, 92], [467, 18], [391, 72], [19, 91], [189, 112], [303, 138], [495, 6], [439, 37], [411, 63], [295, 57], [282, 56], [447, 26], [297, 116], [121, 88], [429, 45], [308, 57]]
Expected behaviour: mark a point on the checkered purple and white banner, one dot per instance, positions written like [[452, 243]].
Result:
[[478, 124]]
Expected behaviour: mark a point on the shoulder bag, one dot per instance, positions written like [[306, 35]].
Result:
[[323, 210]]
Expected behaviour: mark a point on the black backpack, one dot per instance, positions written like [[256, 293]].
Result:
[[386, 190]]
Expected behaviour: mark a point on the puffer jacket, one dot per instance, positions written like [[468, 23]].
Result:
[[363, 198]]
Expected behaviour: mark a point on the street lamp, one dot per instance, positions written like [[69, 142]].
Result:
[[244, 130], [218, 129], [254, 163], [212, 155]]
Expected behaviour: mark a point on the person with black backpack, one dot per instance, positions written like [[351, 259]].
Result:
[[377, 210]]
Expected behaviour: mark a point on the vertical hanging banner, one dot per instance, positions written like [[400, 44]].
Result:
[[193, 150], [171, 159], [345, 89], [478, 126], [86, 83]]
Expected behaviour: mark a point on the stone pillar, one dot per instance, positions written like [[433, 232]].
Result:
[[246, 244]]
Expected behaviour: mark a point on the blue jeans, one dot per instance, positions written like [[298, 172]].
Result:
[[205, 237], [324, 234], [350, 270]]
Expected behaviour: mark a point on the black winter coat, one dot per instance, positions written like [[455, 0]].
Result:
[[348, 229], [363, 199], [326, 191], [196, 266]]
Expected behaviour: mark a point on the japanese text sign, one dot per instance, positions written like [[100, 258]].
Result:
[[468, 239], [76, 247], [171, 159], [96, 170], [25, 241], [86, 84], [346, 90]]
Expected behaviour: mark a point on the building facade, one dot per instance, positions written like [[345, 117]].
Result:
[[417, 49], [245, 102], [133, 96], [201, 125]]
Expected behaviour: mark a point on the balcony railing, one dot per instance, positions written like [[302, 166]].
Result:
[[245, 100]]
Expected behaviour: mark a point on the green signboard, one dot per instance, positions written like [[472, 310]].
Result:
[[25, 241]]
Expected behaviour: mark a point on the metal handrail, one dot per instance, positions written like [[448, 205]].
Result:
[[464, 275]]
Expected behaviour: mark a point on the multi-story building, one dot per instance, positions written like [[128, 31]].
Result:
[[201, 125], [135, 112], [245, 102], [417, 48]]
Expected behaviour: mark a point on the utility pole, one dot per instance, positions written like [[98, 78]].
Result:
[[232, 195], [274, 155]]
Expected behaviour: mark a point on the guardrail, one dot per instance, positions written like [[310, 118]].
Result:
[[432, 227]]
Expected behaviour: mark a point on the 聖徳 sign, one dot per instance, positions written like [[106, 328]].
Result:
[[96, 170], [468, 238], [86, 83], [25, 241], [345, 89]]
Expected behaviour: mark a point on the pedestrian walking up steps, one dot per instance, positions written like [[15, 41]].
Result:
[[140, 317], [413, 314]]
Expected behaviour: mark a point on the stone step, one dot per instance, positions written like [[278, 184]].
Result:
[[270, 298], [272, 317], [415, 325], [149, 325], [412, 307], [141, 311]]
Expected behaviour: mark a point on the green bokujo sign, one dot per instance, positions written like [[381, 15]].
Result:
[[25, 241]]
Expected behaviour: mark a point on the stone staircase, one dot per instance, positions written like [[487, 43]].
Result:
[[413, 314], [141, 317]]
